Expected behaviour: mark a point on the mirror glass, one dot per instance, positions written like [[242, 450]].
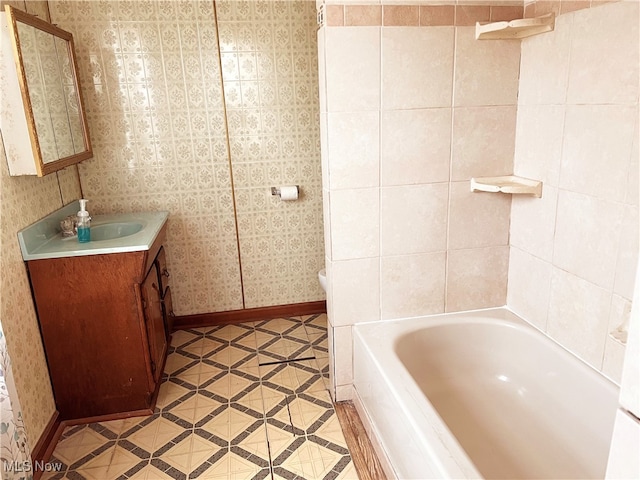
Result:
[[51, 94]]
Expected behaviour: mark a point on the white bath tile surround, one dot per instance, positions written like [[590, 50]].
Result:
[[428, 53], [580, 128], [533, 223], [484, 232], [597, 165], [419, 229], [477, 278], [613, 78], [483, 141], [352, 56], [538, 150], [587, 237], [415, 146], [354, 150], [355, 224], [406, 233], [550, 51], [486, 73], [477, 219], [355, 291], [410, 284], [529, 286]]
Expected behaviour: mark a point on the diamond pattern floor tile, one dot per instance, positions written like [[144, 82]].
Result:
[[236, 402]]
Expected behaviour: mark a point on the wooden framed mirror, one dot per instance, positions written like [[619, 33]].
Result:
[[42, 116]]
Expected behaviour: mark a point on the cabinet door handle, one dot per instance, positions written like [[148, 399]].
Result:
[[165, 272]]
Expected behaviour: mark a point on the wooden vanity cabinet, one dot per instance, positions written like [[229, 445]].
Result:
[[104, 329]]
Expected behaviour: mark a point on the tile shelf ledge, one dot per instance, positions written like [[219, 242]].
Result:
[[515, 29], [507, 184]]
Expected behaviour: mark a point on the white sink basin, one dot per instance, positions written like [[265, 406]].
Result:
[[109, 231]]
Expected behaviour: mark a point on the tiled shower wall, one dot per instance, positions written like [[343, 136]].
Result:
[[574, 251], [409, 114], [156, 110]]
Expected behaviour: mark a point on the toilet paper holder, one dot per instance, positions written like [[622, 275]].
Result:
[[275, 191]]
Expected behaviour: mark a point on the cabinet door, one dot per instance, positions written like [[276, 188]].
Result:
[[163, 276], [154, 321], [167, 307]]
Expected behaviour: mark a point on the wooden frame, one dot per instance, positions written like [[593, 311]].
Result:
[[41, 168]]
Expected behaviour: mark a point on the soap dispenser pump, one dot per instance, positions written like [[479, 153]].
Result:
[[84, 223]]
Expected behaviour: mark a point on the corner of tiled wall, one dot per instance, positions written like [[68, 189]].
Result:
[[574, 251]]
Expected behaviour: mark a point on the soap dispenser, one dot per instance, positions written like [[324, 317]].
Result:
[[84, 223]]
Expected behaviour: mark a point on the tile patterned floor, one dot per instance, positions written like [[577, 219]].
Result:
[[245, 401]]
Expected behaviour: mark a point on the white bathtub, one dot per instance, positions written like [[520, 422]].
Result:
[[481, 395]]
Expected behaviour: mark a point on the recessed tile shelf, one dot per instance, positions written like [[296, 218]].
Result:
[[515, 29], [507, 184]]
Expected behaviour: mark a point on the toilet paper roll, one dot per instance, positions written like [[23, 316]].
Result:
[[289, 192]]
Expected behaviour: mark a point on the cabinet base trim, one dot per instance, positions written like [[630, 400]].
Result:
[[108, 417], [248, 315], [42, 450]]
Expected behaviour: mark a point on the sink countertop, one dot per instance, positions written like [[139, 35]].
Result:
[[43, 239]]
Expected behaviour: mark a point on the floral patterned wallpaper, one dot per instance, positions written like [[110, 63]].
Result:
[[23, 200], [156, 112], [270, 73], [153, 89]]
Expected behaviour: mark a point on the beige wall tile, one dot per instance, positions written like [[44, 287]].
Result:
[[568, 6], [501, 13], [597, 148], [437, 15], [412, 285], [628, 249], [343, 355], [538, 143], [533, 223], [598, 62], [363, 15], [324, 149], [477, 219], [587, 237], [613, 359], [529, 283], [356, 291], [355, 223], [486, 72], [353, 74], [468, 15], [401, 15], [483, 142], [413, 219], [354, 149], [335, 15], [578, 316], [415, 146], [633, 180], [417, 67], [477, 278], [544, 69], [548, 6], [326, 220], [619, 315]]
